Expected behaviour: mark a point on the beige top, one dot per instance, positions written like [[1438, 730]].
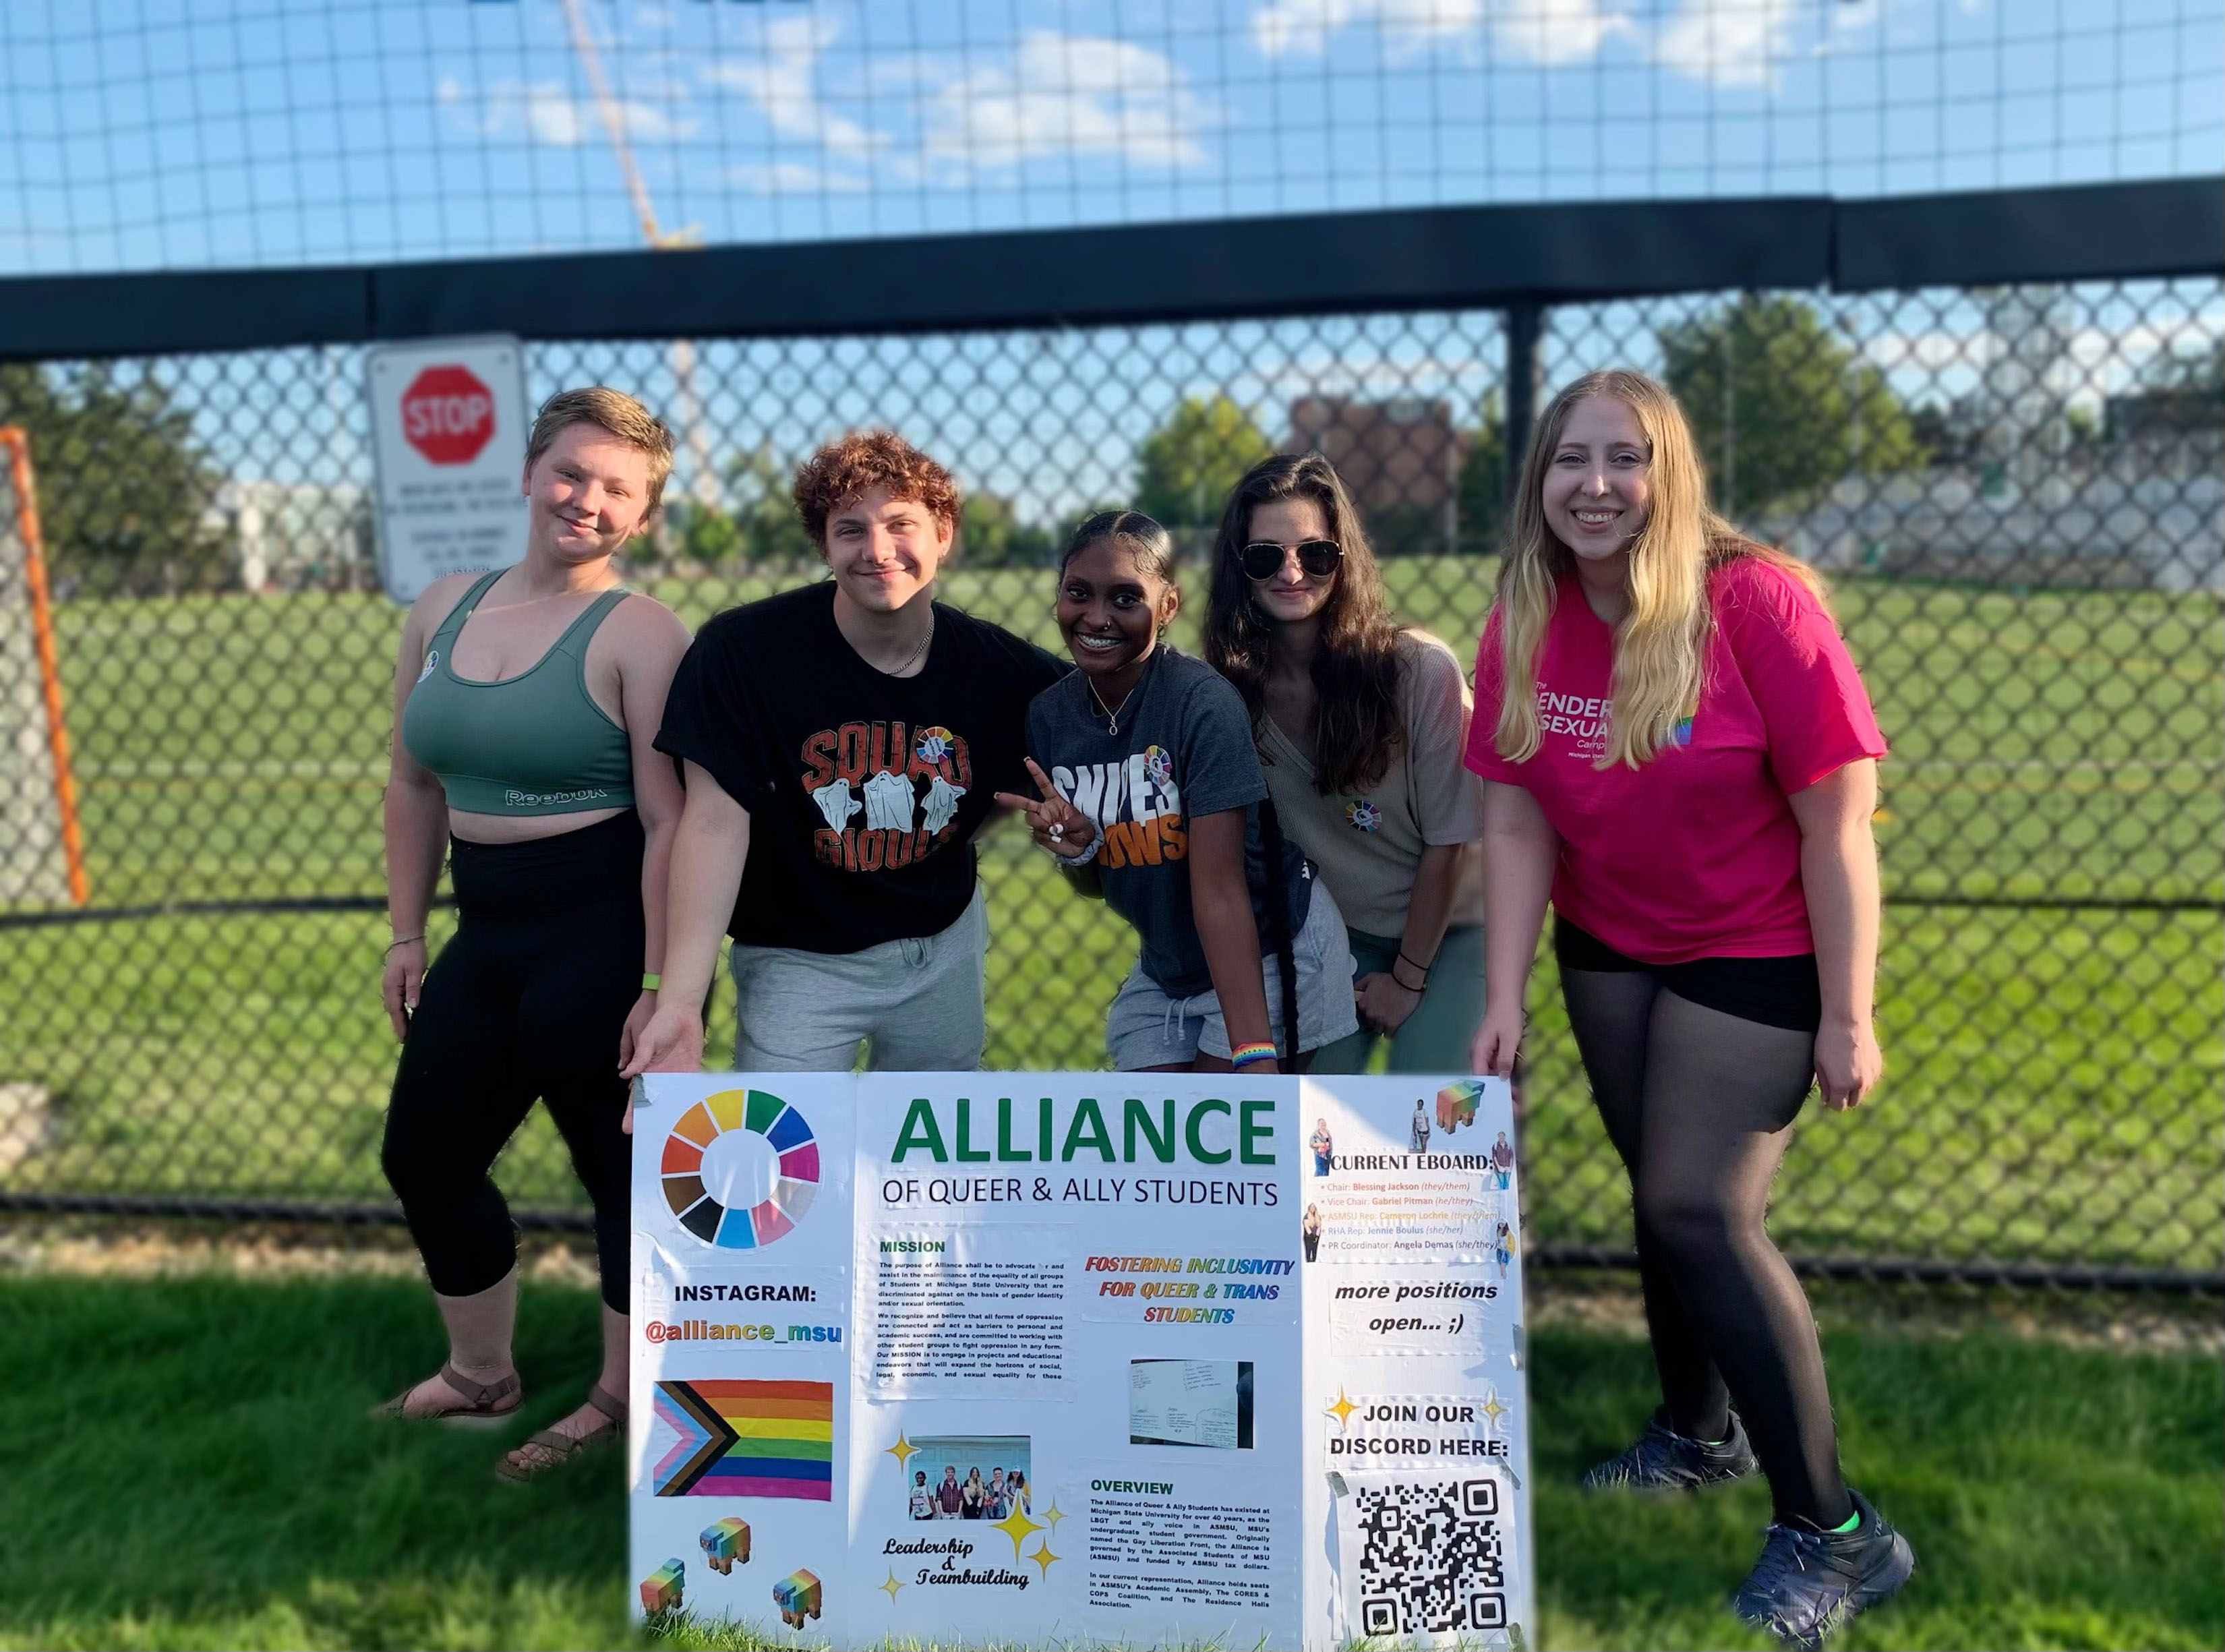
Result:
[[1368, 845]]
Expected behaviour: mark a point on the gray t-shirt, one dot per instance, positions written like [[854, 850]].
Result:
[[1367, 845], [1184, 749]]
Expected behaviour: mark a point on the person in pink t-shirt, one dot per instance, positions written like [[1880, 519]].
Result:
[[1679, 754]]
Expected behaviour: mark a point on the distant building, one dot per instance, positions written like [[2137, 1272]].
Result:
[[2176, 432], [299, 535], [2148, 511], [1400, 461]]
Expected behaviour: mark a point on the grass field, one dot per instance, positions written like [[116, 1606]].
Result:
[[189, 1464], [2054, 1072]]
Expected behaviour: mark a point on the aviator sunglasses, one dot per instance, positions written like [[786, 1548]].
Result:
[[1263, 557]]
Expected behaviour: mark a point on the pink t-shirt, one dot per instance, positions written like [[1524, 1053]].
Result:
[[1695, 853]]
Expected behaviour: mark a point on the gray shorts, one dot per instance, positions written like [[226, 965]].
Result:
[[1147, 1028], [915, 1005]]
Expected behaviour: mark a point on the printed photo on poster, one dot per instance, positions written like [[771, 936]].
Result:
[[969, 1476], [1206, 1403]]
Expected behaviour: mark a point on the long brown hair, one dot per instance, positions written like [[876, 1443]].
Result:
[[1661, 646], [1355, 669]]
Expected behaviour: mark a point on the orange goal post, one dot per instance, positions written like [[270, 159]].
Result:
[[35, 864]]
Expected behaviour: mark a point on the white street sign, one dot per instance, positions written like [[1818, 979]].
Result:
[[448, 422]]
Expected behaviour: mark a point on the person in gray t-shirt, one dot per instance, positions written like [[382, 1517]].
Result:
[[1152, 798], [1360, 727]]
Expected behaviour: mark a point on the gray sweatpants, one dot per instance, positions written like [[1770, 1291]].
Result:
[[917, 1006]]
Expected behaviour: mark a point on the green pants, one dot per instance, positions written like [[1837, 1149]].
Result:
[[1437, 1037]]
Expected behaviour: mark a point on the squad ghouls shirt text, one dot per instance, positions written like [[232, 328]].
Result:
[[888, 793]]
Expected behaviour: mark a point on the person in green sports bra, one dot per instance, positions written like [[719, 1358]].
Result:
[[524, 701]]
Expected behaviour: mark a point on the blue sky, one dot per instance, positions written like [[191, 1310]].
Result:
[[154, 133]]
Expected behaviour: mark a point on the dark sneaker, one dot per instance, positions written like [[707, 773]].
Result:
[[1664, 1460], [1808, 1584]]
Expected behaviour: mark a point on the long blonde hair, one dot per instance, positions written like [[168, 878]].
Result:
[[1661, 644]]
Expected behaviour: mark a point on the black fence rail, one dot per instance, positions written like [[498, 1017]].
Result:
[[1996, 423]]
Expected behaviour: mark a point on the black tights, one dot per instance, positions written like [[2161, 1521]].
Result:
[[528, 1000], [1700, 1105]]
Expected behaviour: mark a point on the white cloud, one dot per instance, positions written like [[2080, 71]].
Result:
[[546, 113], [1555, 31], [783, 81], [1729, 43], [1410, 25], [1725, 42], [1548, 31], [1050, 94], [794, 178], [1068, 94]]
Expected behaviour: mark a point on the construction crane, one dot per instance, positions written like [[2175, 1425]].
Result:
[[703, 485]]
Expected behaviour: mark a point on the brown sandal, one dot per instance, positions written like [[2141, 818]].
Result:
[[483, 1401], [563, 1448]]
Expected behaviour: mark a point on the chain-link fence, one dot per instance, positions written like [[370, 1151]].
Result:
[[2018, 494]]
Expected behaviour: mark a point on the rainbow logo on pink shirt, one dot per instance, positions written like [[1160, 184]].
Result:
[[1681, 734]]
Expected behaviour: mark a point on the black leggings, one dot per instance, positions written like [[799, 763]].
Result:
[[1699, 1102], [528, 1000]]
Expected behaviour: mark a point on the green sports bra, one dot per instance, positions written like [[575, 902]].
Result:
[[533, 744]]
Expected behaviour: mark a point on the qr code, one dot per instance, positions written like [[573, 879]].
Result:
[[1433, 1558]]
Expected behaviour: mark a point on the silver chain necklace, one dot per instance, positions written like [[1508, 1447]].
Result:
[[1113, 714], [912, 658]]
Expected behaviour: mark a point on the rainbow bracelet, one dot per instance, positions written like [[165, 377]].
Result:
[[1245, 1054]]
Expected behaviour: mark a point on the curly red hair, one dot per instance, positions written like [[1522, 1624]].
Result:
[[852, 467]]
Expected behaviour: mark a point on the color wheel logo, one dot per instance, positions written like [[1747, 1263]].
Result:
[[740, 1168]]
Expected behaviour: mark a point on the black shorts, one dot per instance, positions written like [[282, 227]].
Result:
[[1777, 991]]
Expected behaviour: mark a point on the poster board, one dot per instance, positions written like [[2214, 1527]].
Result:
[[1055, 1358], [448, 424]]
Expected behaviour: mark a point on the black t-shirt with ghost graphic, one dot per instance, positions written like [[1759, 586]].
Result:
[[1184, 749], [864, 790]]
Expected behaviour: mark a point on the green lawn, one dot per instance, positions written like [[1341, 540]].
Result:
[[189, 1464], [2053, 1074]]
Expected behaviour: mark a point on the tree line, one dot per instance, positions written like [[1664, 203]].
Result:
[[1784, 407]]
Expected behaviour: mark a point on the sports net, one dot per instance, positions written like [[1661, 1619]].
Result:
[[237, 132], [2018, 496]]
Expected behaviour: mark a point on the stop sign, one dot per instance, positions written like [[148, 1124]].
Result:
[[447, 415]]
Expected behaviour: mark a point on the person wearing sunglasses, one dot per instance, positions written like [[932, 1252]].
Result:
[[1359, 724]]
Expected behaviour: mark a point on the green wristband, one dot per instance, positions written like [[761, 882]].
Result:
[[651, 981]]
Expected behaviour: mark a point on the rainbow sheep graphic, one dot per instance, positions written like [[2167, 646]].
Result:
[[661, 1589], [796, 1594], [1457, 1103], [725, 1544]]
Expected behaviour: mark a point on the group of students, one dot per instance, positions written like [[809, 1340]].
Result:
[[972, 1498], [1306, 828]]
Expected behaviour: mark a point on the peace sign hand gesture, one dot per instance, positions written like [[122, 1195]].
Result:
[[1057, 825]]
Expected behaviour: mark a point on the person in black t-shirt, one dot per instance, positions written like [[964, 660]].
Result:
[[841, 745]]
